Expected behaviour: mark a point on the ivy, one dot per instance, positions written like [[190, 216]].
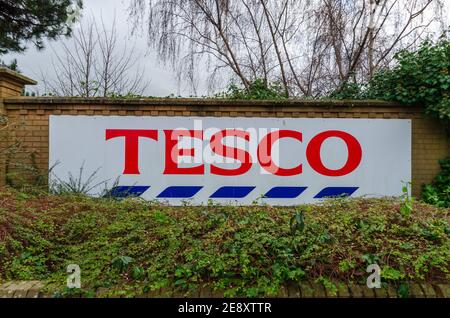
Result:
[[438, 193], [420, 77], [130, 247], [257, 90]]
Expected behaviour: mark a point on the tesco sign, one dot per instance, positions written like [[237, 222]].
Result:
[[278, 161]]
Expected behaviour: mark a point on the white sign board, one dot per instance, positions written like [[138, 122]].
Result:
[[278, 161]]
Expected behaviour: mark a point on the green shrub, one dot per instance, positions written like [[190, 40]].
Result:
[[131, 246], [438, 193], [420, 77], [258, 89], [348, 91]]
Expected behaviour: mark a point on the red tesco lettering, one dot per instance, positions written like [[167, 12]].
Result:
[[264, 151]]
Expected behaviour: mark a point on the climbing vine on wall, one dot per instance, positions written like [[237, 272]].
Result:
[[438, 193], [420, 77]]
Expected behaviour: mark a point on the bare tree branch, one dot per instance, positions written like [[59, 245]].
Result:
[[93, 64]]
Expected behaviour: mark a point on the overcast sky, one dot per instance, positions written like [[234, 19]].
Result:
[[33, 63]]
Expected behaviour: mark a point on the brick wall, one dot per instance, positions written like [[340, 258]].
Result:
[[28, 118], [12, 83]]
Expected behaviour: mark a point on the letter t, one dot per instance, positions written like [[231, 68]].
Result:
[[131, 145]]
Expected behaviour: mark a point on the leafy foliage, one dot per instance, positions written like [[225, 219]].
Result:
[[347, 91], [407, 201], [130, 246], [438, 193], [30, 20], [121, 263], [420, 77], [258, 90], [297, 222]]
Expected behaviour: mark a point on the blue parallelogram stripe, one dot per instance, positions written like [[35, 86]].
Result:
[[336, 192], [232, 192], [284, 192], [128, 191], [180, 192]]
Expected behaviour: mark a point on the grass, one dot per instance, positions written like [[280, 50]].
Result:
[[131, 246]]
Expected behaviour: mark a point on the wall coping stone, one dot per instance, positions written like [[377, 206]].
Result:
[[322, 103], [10, 75]]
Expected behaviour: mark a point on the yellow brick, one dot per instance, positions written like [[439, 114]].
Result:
[[430, 142]]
